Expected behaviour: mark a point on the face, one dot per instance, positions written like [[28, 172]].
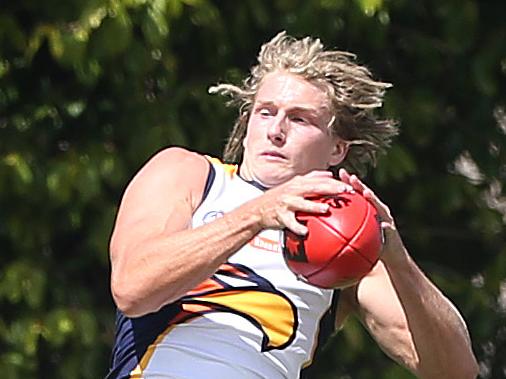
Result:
[[288, 132]]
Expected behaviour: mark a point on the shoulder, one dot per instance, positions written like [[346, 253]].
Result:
[[180, 159], [176, 163], [179, 171]]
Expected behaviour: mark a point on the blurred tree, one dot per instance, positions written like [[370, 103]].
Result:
[[90, 89]]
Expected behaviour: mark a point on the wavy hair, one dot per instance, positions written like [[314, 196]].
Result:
[[352, 92]]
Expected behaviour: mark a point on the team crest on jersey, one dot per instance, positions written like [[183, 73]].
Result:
[[235, 288], [211, 216]]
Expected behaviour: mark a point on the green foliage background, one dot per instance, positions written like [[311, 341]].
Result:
[[90, 89]]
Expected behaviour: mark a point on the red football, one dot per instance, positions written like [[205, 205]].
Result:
[[341, 246]]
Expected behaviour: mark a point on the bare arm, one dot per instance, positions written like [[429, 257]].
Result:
[[156, 257], [406, 313]]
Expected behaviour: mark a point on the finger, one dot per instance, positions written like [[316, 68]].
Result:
[[336, 186], [383, 211], [357, 184], [365, 191], [344, 175], [309, 206], [319, 173], [388, 227], [291, 223], [352, 180]]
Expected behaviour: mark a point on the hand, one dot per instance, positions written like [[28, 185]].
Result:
[[278, 205], [393, 248]]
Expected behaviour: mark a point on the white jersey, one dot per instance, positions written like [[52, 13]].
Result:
[[252, 319]]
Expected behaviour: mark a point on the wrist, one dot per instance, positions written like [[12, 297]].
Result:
[[395, 254], [248, 216]]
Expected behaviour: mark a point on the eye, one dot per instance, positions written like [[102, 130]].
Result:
[[265, 112], [300, 120]]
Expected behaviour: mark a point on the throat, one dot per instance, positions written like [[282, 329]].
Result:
[[250, 179]]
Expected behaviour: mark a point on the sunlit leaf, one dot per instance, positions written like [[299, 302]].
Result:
[[20, 166], [58, 326], [369, 7]]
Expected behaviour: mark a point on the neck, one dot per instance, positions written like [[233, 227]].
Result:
[[248, 177]]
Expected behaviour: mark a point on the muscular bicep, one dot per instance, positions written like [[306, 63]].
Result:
[[159, 200]]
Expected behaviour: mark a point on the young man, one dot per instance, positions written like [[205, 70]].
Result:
[[197, 272]]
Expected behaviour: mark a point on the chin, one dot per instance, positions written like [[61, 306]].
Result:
[[272, 181]]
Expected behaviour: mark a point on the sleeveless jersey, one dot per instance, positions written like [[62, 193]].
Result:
[[252, 319]]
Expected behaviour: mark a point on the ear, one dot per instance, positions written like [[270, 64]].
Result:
[[245, 118], [338, 152]]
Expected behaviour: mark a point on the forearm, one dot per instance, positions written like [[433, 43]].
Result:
[[410, 318], [162, 268], [439, 334]]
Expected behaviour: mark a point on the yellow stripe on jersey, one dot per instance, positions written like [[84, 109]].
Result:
[[273, 313], [138, 371], [230, 169]]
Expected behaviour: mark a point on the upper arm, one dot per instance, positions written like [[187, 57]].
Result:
[[160, 199], [375, 302]]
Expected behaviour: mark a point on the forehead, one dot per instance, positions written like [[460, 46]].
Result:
[[286, 89]]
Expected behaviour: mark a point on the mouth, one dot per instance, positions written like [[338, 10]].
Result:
[[273, 154]]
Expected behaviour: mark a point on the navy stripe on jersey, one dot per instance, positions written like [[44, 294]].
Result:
[[133, 337], [209, 182], [327, 328]]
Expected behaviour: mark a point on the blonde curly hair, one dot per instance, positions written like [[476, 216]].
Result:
[[352, 92]]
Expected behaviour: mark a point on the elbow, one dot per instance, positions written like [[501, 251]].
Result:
[[471, 370], [134, 299], [127, 299], [465, 368], [127, 291]]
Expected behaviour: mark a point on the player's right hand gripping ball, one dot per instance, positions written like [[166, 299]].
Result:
[[341, 246]]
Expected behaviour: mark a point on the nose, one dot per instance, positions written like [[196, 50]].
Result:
[[276, 131]]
